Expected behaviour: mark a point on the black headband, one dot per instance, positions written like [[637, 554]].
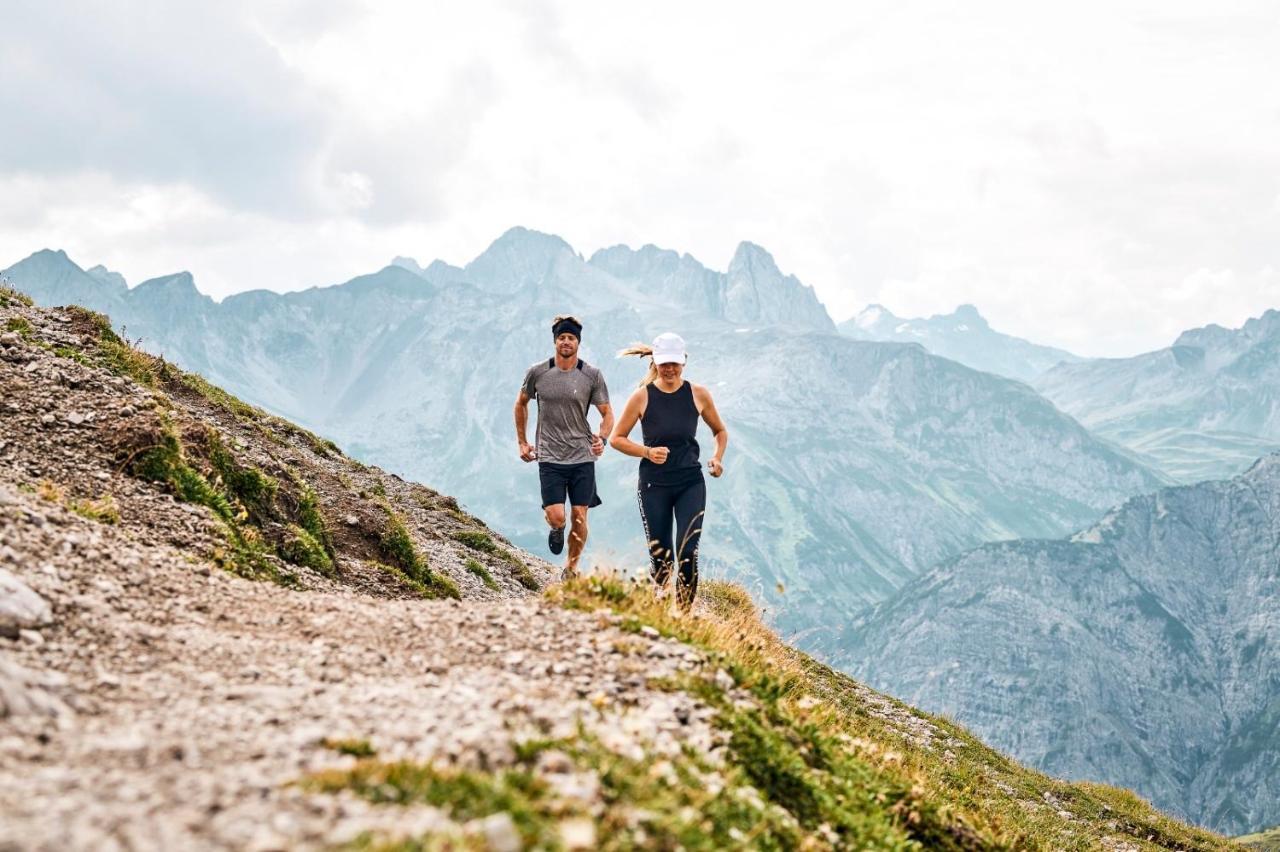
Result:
[[567, 325]]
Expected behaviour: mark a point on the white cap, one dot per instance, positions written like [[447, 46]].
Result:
[[668, 348]]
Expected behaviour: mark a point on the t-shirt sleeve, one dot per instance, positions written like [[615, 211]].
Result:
[[530, 382], [599, 391]]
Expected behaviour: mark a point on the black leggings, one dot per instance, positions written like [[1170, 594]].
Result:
[[686, 505]]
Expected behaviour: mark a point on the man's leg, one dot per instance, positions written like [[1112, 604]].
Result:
[[577, 537], [554, 491]]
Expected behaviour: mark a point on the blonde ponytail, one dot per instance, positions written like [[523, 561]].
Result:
[[643, 350]]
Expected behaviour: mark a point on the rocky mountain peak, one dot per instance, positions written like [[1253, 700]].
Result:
[[112, 279], [968, 315], [757, 291], [518, 258], [408, 263], [179, 282]]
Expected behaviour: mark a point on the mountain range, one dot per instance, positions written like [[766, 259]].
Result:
[[1204, 408], [963, 336], [853, 465], [1144, 649]]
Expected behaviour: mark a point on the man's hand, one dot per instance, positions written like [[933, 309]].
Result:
[[527, 452], [597, 445], [715, 468], [657, 455]]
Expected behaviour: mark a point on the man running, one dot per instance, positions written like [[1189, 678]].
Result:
[[565, 387]]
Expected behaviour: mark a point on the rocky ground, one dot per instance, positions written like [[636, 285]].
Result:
[[159, 704]]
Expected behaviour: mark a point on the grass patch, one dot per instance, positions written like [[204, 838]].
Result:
[[21, 326], [103, 510], [397, 546], [476, 540], [51, 491], [245, 552], [686, 801], [301, 548], [219, 397], [463, 794], [353, 747], [1262, 841], [245, 484], [482, 572], [72, 354], [483, 543], [834, 753], [404, 579], [323, 447], [8, 295]]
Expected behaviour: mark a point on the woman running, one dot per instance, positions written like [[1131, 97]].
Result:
[[671, 486]]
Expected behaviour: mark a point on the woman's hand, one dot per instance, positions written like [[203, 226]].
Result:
[[657, 455], [715, 468]]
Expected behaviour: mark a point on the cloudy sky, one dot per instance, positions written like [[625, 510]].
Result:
[[1097, 176]]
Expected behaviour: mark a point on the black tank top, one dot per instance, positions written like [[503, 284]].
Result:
[[671, 420]]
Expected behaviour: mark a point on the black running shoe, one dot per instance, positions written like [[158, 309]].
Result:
[[555, 539]]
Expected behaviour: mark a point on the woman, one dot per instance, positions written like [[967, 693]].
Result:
[[671, 487]]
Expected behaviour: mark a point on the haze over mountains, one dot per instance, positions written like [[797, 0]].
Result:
[[1144, 650], [963, 336], [854, 464]]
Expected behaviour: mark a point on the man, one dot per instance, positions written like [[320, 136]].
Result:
[[565, 387]]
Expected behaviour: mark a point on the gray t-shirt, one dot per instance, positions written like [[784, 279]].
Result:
[[564, 398]]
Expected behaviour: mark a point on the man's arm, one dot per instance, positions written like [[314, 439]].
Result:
[[600, 399], [527, 452], [606, 428]]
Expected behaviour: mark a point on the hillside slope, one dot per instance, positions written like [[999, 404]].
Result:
[[154, 696], [1143, 651]]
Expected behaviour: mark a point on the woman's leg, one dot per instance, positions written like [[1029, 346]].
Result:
[[656, 515], [690, 508]]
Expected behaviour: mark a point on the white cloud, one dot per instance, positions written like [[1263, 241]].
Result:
[[1098, 176]]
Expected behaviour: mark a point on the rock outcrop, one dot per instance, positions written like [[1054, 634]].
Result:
[[1143, 651]]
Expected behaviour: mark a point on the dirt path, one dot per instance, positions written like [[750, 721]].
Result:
[[192, 698]]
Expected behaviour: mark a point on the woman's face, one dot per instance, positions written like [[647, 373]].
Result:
[[670, 372]]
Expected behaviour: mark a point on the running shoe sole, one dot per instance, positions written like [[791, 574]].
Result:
[[555, 540]]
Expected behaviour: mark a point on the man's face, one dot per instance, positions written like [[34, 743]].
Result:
[[670, 372], [566, 345]]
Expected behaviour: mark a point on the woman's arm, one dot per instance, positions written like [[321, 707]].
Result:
[[620, 441], [707, 406]]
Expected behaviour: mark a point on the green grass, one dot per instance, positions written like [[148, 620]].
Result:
[[476, 540], [482, 572], [483, 543], [8, 294], [103, 510], [21, 326], [1263, 841], [219, 397], [832, 752], [301, 548], [72, 354], [353, 747], [245, 552], [398, 548]]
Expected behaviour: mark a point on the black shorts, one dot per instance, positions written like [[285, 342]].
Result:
[[577, 481]]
